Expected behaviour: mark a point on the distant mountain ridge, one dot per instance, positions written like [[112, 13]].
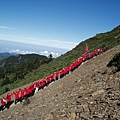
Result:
[[5, 55], [19, 59]]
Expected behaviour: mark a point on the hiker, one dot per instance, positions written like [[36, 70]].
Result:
[[37, 86], [9, 102], [56, 75], [80, 60], [16, 94], [52, 77], [92, 54], [32, 89], [89, 56], [104, 49], [27, 92], [3, 103], [96, 52], [48, 79], [72, 66], [22, 93], [65, 71], [101, 50], [61, 73], [42, 83], [85, 57]]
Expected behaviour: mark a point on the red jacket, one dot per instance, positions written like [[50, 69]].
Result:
[[16, 95], [93, 54], [65, 70], [84, 57], [37, 84], [52, 77], [61, 72], [22, 93], [27, 91], [42, 83], [101, 50], [31, 87], [48, 79], [96, 52], [80, 60], [57, 74], [73, 65], [8, 97], [69, 68], [3, 101]]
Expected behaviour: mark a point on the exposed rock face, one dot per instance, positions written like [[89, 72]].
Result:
[[91, 92]]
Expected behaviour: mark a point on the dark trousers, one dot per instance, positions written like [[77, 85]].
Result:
[[2, 108], [17, 100]]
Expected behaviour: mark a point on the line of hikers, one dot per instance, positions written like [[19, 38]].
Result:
[[19, 95]]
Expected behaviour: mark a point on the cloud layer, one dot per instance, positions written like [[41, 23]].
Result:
[[5, 27], [36, 41], [45, 53]]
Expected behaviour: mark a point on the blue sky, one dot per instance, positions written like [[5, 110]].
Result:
[[55, 25]]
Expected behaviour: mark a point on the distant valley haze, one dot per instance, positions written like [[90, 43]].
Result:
[[24, 48]]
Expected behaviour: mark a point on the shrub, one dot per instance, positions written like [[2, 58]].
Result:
[[115, 61]]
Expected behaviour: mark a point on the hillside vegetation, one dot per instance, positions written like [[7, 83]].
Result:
[[108, 40], [115, 62], [14, 68]]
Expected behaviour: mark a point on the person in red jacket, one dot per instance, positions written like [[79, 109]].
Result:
[[32, 89], [42, 83], [65, 71], [84, 58], [22, 94], [17, 98], [68, 69], [80, 60], [56, 75], [52, 77], [61, 73], [92, 54], [9, 102], [48, 79], [101, 50], [27, 92], [72, 67], [3, 103], [37, 86], [96, 52]]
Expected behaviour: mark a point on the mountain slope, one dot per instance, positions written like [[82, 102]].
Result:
[[109, 40], [17, 60], [90, 92]]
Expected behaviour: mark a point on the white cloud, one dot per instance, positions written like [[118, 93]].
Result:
[[43, 42], [46, 53], [21, 51], [5, 27]]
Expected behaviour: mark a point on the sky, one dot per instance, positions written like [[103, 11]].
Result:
[[53, 26]]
